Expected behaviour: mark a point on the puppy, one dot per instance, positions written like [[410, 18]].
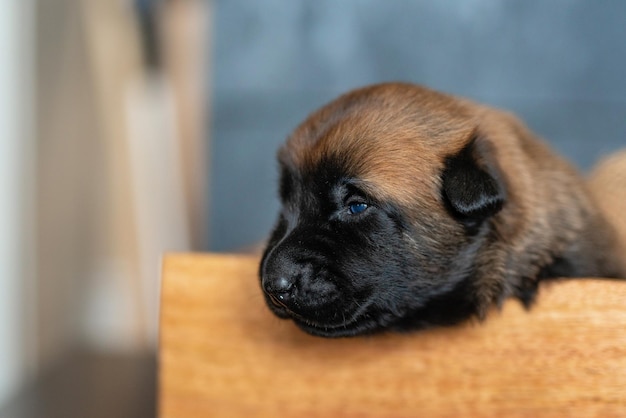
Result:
[[405, 208]]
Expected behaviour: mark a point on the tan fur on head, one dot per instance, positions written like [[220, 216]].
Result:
[[386, 146]]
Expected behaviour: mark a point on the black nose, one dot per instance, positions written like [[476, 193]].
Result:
[[280, 289]]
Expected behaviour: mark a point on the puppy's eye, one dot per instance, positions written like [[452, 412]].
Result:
[[356, 208]]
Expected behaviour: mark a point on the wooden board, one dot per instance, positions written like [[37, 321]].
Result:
[[223, 354]]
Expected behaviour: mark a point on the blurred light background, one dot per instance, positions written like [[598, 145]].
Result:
[[133, 127]]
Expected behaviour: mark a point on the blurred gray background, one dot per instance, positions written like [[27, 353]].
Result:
[[559, 64]]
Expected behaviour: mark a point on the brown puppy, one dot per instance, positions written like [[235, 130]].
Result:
[[404, 208]]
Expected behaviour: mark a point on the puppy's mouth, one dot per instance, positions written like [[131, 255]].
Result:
[[348, 324], [358, 326]]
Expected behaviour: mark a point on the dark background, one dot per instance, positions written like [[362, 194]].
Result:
[[559, 64]]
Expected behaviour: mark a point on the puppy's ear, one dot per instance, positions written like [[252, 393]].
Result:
[[473, 189]]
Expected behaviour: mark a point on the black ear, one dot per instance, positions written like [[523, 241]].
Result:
[[472, 186]]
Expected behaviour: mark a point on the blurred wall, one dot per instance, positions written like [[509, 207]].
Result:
[[69, 176], [559, 64], [102, 170], [120, 150], [17, 296]]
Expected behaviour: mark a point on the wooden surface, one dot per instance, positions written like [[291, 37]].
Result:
[[223, 354]]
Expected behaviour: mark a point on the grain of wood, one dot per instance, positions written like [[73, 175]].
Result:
[[223, 354]]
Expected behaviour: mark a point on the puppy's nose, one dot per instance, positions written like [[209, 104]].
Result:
[[281, 289]]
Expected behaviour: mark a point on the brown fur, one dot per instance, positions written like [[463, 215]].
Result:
[[608, 184], [395, 138], [357, 126]]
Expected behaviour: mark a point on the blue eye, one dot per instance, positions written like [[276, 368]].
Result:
[[355, 208]]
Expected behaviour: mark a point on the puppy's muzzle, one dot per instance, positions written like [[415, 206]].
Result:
[[280, 281], [297, 286]]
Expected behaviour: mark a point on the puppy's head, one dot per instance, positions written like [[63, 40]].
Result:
[[387, 195]]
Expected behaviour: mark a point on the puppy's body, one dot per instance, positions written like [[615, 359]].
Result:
[[405, 208]]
